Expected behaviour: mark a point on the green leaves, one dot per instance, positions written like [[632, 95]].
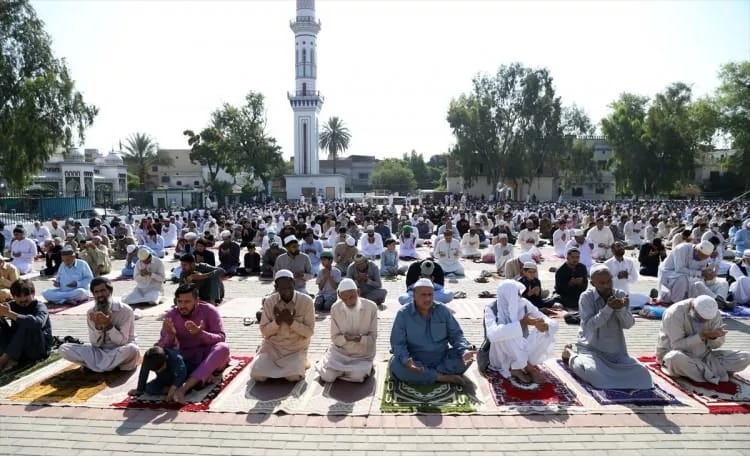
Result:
[[140, 155], [335, 138], [394, 175]]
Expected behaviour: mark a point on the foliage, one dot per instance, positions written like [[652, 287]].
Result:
[[40, 110], [140, 155], [394, 175], [335, 138], [236, 141], [733, 106], [508, 126], [575, 161]]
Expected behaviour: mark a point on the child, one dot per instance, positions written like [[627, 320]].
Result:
[[328, 282], [389, 260], [251, 262], [171, 373], [534, 288]]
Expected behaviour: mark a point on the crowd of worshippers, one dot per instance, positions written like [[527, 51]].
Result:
[[348, 248]]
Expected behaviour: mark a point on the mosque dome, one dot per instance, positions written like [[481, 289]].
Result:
[[76, 155], [113, 159]]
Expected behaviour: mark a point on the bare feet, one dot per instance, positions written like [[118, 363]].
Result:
[[537, 376], [455, 379], [521, 375], [179, 396], [567, 353]]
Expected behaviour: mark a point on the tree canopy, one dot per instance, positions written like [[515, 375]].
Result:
[[40, 110], [394, 175], [335, 138], [141, 153]]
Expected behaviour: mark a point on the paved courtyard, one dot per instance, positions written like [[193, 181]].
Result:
[[230, 429]]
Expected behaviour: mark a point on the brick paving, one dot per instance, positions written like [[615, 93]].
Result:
[[28, 429]]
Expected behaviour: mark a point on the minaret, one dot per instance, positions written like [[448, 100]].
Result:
[[306, 100]]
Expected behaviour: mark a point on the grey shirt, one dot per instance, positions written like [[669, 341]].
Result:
[[601, 326], [298, 263]]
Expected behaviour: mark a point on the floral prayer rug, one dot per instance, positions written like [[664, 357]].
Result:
[[22, 371], [72, 385], [197, 400], [726, 397], [402, 397], [655, 396], [553, 395]]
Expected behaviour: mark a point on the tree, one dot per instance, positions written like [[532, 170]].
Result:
[[335, 138], [625, 129], [733, 106], [575, 162], [141, 154], [40, 110], [211, 149], [415, 162], [393, 175]]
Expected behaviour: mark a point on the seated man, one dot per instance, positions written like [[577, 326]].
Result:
[[287, 324], [447, 253], [503, 252], [684, 266], [367, 276], [268, 260], [560, 238], [155, 243], [343, 253], [585, 248], [520, 336], [691, 333], [389, 260], [52, 257], [201, 247], [470, 245], [532, 288], [650, 256], [251, 262], [229, 254], [206, 278], [72, 282], [149, 279], [602, 238], [131, 258], [97, 257], [371, 245], [739, 279], [295, 261], [22, 251], [111, 327], [25, 329], [408, 240], [602, 357], [195, 328], [426, 269], [571, 279], [328, 281], [427, 342], [354, 329], [8, 276]]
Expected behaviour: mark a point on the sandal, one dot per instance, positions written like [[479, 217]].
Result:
[[459, 295], [481, 280], [487, 294]]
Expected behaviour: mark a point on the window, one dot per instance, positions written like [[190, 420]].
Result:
[[577, 191], [164, 179], [178, 183], [197, 183], [364, 176], [155, 169], [599, 190]]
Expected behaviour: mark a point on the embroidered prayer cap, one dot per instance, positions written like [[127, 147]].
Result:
[[706, 248], [346, 285], [350, 241], [281, 273], [131, 248], [746, 253], [289, 239], [529, 265], [226, 234], [423, 282], [427, 268], [360, 258], [67, 250], [706, 307], [144, 253]]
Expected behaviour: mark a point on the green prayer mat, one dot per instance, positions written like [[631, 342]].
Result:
[[402, 397], [26, 369]]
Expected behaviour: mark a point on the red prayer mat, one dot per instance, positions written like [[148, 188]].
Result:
[[554, 393], [726, 397], [208, 394], [53, 309]]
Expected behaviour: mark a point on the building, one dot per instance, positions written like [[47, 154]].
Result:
[[102, 178], [356, 169], [306, 102], [603, 187]]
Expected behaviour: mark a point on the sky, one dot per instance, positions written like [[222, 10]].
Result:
[[388, 69]]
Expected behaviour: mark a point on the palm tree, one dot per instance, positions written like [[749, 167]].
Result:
[[334, 137], [141, 154]]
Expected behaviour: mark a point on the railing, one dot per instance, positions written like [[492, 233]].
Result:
[[305, 93]]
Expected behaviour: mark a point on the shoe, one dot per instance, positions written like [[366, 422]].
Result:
[[727, 306], [653, 294]]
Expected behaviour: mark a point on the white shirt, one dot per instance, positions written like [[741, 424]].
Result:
[[615, 267]]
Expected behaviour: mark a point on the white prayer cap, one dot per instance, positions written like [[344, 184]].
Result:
[[289, 239], [262, 226], [350, 241], [599, 268], [502, 236], [746, 253], [705, 306], [423, 282], [370, 228], [281, 273], [226, 234], [130, 248], [287, 223], [346, 285], [529, 265], [524, 257], [144, 253], [706, 248], [572, 249], [577, 233], [190, 236]]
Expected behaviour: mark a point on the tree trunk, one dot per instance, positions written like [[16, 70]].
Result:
[[334, 162]]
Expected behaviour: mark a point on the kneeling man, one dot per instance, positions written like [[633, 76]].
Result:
[[602, 358], [427, 342], [287, 324], [111, 334], [690, 335], [521, 337], [354, 328], [25, 329], [195, 328], [149, 279]]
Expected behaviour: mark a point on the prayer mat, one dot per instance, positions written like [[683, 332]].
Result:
[[739, 313], [726, 397], [402, 397], [553, 395], [197, 400], [25, 369], [53, 309], [72, 385], [655, 396]]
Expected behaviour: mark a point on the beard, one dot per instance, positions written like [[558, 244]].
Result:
[[103, 305]]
